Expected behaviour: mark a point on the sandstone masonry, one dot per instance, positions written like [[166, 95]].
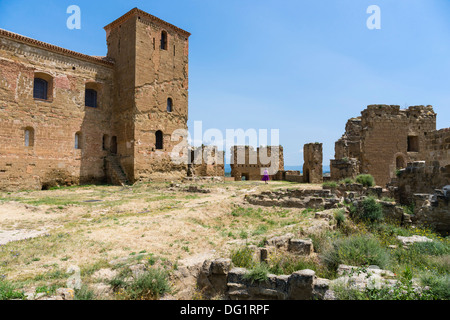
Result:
[[385, 138], [70, 118]]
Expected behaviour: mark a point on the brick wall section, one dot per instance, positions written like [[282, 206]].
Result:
[[53, 157], [344, 168], [349, 145], [134, 41], [385, 138], [206, 162], [133, 82], [246, 162], [438, 146], [420, 177], [389, 137], [312, 166]]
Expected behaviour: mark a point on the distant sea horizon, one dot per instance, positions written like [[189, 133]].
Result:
[[326, 169]]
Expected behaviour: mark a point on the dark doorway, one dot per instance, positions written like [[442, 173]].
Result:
[[306, 177], [113, 146]]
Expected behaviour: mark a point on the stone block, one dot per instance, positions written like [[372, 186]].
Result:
[[301, 285], [300, 247]]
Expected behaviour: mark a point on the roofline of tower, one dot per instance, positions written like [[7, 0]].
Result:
[[53, 48], [138, 12]]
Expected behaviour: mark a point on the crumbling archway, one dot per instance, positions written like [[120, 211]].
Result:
[[400, 162]]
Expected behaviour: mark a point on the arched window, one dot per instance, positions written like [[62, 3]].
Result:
[[163, 40], [400, 162], [169, 105], [43, 86], [29, 137], [40, 89], [90, 98], [78, 140], [159, 140]]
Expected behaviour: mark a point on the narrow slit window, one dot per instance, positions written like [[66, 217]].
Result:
[[159, 140], [78, 140], [163, 40], [169, 105], [29, 137]]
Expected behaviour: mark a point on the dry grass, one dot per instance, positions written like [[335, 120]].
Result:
[[89, 226]]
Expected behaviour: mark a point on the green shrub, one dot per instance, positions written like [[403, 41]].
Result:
[[366, 180], [356, 250], [434, 248], [150, 285], [259, 273], [339, 216], [343, 291], [243, 258], [369, 210], [439, 285], [9, 291], [285, 264], [84, 293], [147, 286], [403, 289], [346, 181], [329, 185]]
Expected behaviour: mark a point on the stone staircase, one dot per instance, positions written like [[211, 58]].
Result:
[[114, 171]]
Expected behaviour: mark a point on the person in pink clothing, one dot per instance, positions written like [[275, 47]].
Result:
[[265, 176]]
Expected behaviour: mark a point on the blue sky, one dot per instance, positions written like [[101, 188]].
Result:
[[303, 67]]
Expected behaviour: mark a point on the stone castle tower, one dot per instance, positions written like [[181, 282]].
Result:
[[69, 118], [151, 93]]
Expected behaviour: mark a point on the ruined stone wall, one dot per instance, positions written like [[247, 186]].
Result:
[[392, 138], [250, 163], [51, 156], [344, 168], [432, 210], [438, 147], [292, 176], [389, 138], [312, 167], [420, 177], [349, 145], [206, 161]]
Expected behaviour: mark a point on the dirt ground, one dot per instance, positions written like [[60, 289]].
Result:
[[88, 226]]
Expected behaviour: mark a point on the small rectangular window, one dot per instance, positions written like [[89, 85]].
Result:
[[413, 144], [40, 89]]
